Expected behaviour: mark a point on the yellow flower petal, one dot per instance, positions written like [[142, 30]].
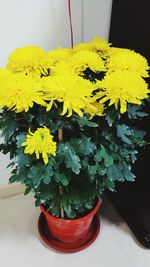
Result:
[[19, 92], [73, 91], [126, 59], [124, 87], [40, 142], [28, 60]]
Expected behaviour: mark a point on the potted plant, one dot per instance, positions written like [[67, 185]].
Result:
[[68, 118]]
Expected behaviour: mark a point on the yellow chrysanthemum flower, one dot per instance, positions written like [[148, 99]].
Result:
[[114, 50], [4, 75], [28, 60], [99, 45], [19, 92], [72, 90], [128, 60], [123, 87], [40, 142], [82, 47], [82, 60], [58, 55], [62, 68], [99, 110]]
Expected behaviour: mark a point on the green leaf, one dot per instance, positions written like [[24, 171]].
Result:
[[109, 137], [92, 170], [134, 112], [84, 146], [87, 146], [84, 163], [62, 178], [46, 177], [100, 187], [39, 202], [9, 125], [27, 190], [21, 138], [109, 184], [49, 170], [98, 156], [70, 157], [36, 174], [111, 116], [23, 177], [54, 209], [123, 131], [14, 178], [28, 116], [88, 205], [101, 169], [43, 119], [22, 160], [84, 121], [114, 173], [129, 176], [104, 154], [139, 133], [138, 136], [44, 197], [11, 164], [69, 211]]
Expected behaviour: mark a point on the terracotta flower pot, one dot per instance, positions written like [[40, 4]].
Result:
[[70, 231]]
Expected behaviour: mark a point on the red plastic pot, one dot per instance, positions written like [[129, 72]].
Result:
[[70, 230]]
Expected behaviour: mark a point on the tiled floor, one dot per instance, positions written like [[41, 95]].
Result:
[[20, 244]]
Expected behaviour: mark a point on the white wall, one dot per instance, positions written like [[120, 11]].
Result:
[[45, 23], [35, 22], [97, 14]]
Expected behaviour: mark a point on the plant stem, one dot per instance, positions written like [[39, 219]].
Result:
[[60, 134], [60, 138]]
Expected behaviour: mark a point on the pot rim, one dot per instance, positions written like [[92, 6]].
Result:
[[92, 213]]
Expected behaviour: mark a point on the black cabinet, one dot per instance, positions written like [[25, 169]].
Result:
[[129, 28]]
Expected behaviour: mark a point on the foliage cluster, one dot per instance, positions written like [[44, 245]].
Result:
[[99, 142]]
